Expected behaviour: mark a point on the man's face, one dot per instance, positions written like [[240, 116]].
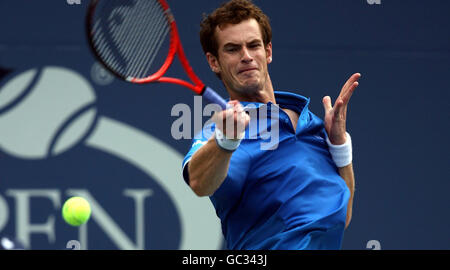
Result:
[[242, 57]]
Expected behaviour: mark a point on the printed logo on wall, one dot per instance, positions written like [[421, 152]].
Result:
[[49, 122]]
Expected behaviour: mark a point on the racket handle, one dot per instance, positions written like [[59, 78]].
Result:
[[213, 97]]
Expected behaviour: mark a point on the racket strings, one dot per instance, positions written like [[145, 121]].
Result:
[[128, 35], [161, 34], [147, 56]]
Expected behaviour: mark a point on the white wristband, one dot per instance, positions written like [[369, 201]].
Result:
[[341, 154], [224, 143]]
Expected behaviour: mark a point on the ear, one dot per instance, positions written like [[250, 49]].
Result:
[[269, 53], [213, 62]]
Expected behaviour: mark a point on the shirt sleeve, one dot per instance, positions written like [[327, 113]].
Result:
[[198, 141]]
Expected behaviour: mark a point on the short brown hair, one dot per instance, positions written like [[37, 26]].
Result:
[[232, 12]]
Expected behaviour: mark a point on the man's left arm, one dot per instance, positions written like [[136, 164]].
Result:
[[347, 174], [335, 126]]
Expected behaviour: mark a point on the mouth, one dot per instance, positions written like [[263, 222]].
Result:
[[247, 70]]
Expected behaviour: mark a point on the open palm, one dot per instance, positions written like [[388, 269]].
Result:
[[336, 116]]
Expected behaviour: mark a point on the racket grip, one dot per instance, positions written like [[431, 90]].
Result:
[[213, 97]]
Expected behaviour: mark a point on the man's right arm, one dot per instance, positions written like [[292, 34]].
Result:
[[208, 168], [209, 165]]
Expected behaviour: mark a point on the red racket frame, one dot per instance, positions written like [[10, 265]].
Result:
[[174, 48]]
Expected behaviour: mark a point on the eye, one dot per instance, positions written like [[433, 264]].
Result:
[[231, 49]]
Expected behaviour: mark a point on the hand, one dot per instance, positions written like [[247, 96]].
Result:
[[335, 117], [232, 121]]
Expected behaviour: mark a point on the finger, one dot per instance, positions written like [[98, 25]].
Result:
[[236, 124], [353, 78], [247, 118], [238, 111], [356, 76], [229, 123], [339, 108], [242, 121], [218, 116], [232, 103], [229, 113], [348, 84], [239, 108], [327, 103], [346, 97]]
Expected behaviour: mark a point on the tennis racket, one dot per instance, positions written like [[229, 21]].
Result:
[[137, 41]]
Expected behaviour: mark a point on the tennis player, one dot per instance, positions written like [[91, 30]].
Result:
[[296, 195]]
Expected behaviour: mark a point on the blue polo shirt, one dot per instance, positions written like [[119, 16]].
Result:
[[284, 193]]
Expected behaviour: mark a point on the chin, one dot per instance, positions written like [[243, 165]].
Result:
[[253, 84], [251, 88], [247, 87]]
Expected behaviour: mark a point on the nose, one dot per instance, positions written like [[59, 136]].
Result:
[[246, 56]]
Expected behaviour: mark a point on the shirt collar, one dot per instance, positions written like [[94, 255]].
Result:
[[287, 100]]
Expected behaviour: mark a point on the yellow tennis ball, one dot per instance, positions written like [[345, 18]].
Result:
[[76, 211]]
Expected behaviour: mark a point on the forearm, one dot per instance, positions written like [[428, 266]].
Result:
[[208, 168], [347, 174]]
